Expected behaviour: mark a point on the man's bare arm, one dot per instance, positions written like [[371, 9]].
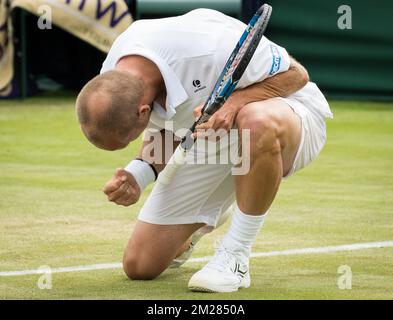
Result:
[[280, 85], [123, 188], [148, 151]]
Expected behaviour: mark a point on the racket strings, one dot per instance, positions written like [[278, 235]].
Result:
[[237, 59], [244, 46]]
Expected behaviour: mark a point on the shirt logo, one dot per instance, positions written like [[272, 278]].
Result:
[[276, 60], [198, 86]]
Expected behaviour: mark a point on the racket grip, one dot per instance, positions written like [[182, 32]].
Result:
[[175, 162]]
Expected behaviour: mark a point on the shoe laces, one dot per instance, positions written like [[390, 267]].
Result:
[[223, 259]]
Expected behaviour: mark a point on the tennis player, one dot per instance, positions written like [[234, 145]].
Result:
[[154, 78]]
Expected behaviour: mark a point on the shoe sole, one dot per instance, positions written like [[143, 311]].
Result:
[[210, 289], [201, 289], [207, 290]]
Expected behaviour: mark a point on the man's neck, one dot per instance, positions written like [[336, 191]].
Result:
[[145, 69]]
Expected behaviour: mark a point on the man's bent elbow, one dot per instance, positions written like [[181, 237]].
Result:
[[302, 75], [304, 78]]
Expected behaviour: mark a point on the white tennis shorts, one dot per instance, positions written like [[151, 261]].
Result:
[[199, 193]]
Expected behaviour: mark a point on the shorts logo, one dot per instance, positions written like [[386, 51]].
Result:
[[197, 84], [276, 60]]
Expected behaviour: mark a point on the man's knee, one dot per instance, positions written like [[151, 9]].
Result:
[[264, 127], [138, 268]]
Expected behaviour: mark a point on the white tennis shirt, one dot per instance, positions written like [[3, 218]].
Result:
[[190, 52]]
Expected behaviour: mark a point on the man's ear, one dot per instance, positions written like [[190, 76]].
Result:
[[144, 111]]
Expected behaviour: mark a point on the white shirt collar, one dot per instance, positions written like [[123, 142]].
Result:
[[175, 93]]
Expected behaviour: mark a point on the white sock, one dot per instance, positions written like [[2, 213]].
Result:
[[243, 230]]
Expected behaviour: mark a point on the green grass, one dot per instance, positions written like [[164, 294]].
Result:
[[52, 212]]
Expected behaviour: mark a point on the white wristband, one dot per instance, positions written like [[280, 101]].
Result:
[[142, 173]]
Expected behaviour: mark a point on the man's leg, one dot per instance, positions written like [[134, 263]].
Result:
[[152, 248], [274, 140], [275, 133]]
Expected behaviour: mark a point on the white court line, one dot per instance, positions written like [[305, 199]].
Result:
[[103, 266]]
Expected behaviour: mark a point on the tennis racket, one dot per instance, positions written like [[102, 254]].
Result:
[[225, 85]]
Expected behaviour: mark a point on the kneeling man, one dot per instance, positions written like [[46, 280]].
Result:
[[155, 76]]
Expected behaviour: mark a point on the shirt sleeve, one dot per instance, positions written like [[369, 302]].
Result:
[[268, 60]]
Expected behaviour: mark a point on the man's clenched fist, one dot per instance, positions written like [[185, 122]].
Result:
[[122, 188]]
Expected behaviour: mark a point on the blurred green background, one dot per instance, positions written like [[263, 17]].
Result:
[[353, 63]]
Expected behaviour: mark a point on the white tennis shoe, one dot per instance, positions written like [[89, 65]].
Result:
[[227, 271], [180, 260]]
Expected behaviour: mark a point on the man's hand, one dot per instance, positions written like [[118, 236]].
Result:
[[223, 119], [122, 188]]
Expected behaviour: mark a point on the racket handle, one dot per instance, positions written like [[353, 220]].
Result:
[[175, 162]]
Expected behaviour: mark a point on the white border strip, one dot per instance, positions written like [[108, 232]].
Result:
[[103, 266]]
